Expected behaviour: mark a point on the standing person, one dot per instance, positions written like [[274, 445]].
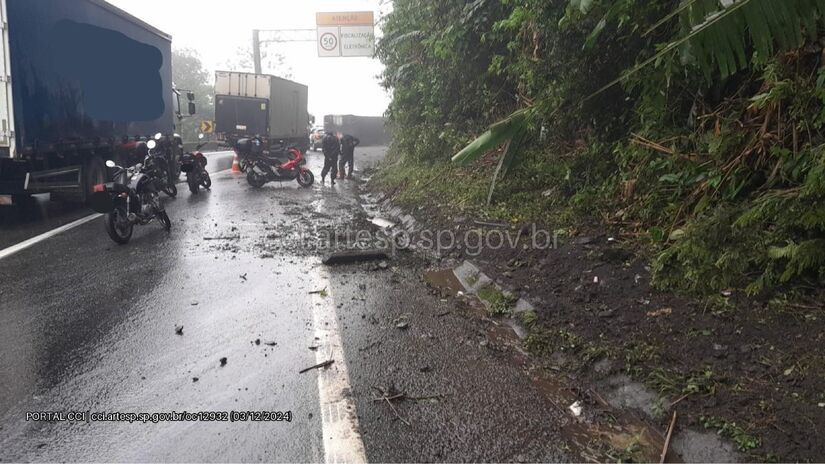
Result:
[[348, 144], [332, 149]]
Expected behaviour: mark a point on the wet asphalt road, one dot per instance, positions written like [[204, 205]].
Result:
[[86, 325]]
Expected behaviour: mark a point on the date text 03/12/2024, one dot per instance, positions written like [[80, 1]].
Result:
[[156, 417]]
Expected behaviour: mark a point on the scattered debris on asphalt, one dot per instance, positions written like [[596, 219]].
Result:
[[355, 256], [243, 276], [576, 408], [391, 394], [402, 323], [179, 329], [223, 361], [322, 293], [194, 303], [322, 365], [233, 237], [313, 348], [257, 341], [195, 379], [271, 343]]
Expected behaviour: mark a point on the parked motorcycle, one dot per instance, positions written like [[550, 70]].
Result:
[[284, 163], [132, 198], [194, 165], [162, 148]]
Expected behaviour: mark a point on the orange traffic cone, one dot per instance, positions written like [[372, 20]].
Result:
[[236, 164]]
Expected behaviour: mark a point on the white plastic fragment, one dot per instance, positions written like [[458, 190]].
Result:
[[576, 408]]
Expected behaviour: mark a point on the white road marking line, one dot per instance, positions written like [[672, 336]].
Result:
[[341, 436], [5, 253]]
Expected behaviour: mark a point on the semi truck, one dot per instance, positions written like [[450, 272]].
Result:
[[81, 82], [370, 130], [250, 105]]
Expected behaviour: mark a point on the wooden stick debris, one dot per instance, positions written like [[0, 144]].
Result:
[[667, 440], [396, 412], [679, 400], [322, 365]]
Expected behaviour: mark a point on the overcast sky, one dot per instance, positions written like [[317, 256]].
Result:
[[216, 28]]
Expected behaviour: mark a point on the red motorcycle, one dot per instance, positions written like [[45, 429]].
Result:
[[285, 163]]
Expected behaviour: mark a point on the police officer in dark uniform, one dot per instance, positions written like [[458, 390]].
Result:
[[348, 144], [332, 149]]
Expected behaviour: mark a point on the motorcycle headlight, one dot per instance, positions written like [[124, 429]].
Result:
[[158, 136], [151, 144]]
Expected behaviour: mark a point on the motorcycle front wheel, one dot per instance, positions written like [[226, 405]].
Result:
[[118, 226], [306, 178], [254, 179], [171, 190], [165, 221], [194, 186]]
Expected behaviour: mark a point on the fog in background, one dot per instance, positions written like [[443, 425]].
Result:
[[217, 28]]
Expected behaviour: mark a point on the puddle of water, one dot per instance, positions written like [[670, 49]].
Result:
[[445, 280]]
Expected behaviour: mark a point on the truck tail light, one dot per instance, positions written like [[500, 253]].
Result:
[[100, 188]]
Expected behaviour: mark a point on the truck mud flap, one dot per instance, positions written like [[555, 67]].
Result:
[[66, 179]]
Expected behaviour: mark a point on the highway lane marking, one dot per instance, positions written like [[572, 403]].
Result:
[[5, 253], [341, 436]]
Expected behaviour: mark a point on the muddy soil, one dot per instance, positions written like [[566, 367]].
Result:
[[746, 371]]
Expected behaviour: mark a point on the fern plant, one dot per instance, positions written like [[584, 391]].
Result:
[[722, 36]]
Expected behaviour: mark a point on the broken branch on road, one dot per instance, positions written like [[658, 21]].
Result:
[[355, 256], [322, 365]]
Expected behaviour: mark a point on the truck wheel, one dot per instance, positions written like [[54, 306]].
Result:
[[92, 173], [23, 201]]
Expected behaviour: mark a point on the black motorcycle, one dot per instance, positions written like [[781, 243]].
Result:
[[162, 149], [194, 165], [132, 198]]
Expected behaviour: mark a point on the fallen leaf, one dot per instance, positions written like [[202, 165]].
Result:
[[660, 312]]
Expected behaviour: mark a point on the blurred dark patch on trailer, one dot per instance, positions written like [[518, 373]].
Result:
[[371, 130]]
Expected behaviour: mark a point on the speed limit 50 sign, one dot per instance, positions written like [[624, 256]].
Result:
[[346, 34], [329, 42]]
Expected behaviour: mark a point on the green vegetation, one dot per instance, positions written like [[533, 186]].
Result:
[[744, 441], [696, 125], [498, 303], [544, 343]]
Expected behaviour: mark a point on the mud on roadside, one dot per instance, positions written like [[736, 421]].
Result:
[[744, 377]]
